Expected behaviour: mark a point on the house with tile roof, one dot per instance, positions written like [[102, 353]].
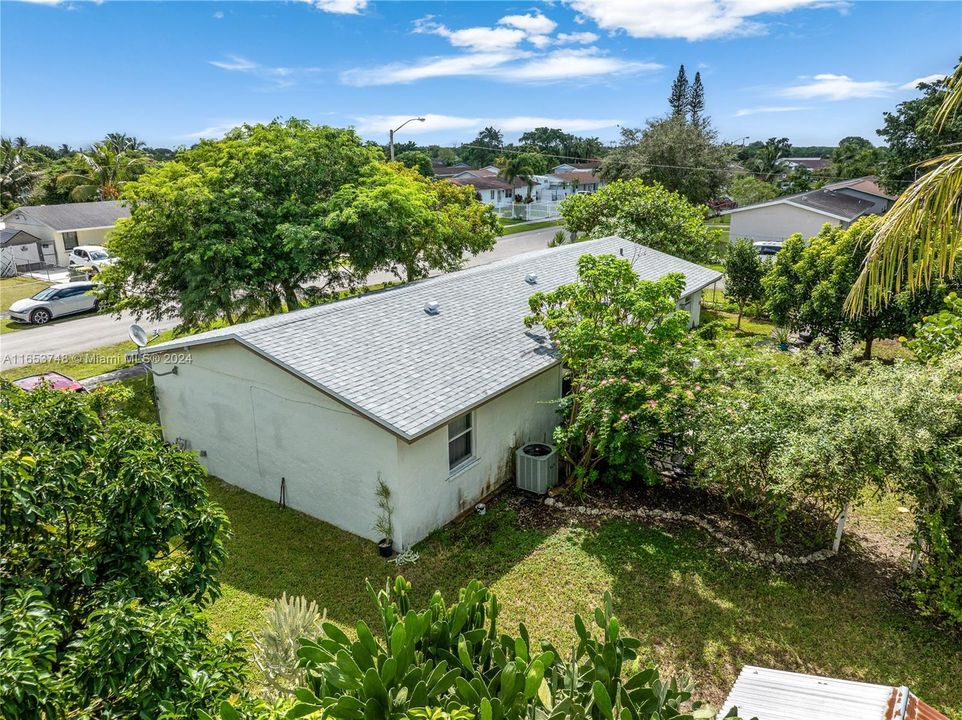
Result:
[[839, 204], [61, 228], [429, 387]]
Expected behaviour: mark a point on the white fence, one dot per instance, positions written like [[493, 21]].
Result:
[[529, 211]]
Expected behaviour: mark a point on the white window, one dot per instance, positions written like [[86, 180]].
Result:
[[460, 441]]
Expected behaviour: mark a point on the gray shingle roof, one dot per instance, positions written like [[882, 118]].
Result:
[[824, 200], [383, 355], [73, 216]]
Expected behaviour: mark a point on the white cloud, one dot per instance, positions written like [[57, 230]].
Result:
[[569, 64], [689, 19], [476, 38], [532, 23], [380, 124], [340, 7], [218, 15], [913, 85], [828, 86], [584, 38], [452, 66], [769, 109], [277, 76]]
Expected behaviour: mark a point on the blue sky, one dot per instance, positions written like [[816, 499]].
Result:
[[171, 72]]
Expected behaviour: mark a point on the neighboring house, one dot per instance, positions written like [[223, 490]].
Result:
[[813, 164], [442, 170], [865, 188], [492, 190], [20, 251], [429, 387], [804, 213], [61, 228], [589, 166], [559, 185], [770, 694]]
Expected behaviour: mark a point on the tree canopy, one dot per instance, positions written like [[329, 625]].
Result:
[[111, 549], [648, 214], [748, 190], [680, 155], [392, 218], [744, 270]]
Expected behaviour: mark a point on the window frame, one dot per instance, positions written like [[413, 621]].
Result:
[[68, 237], [469, 458]]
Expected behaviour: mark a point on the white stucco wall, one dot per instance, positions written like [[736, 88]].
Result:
[[776, 222], [257, 424], [55, 253], [429, 496]]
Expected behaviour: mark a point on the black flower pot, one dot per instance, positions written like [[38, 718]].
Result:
[[386, 547]]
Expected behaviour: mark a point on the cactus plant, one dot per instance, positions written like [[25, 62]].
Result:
[[276, 644]]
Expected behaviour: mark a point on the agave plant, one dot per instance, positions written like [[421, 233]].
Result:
[[277, 643]]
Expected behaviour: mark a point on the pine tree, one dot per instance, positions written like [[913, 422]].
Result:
[[678, 100], [696, 101]]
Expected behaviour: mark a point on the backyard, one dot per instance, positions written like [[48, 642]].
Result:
[[697, 610]]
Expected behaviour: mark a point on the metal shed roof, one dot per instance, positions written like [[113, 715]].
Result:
[[769, 694], [411, 372]]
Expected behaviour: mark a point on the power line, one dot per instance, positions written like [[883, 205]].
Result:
[[695, 168]]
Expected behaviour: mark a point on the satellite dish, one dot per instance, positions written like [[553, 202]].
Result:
[[138, 335]]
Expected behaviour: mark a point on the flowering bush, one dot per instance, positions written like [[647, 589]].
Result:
[[626, 346]]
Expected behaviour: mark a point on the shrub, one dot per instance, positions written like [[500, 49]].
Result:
[[941, 333], [111, 549], [451, 662], [276, 645], [625, 344]]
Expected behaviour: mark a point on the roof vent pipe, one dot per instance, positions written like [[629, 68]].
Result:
[[621, 251], [531, 279], [432, 307]]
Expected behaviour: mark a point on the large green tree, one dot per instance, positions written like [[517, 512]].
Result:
[[522, 166], [647, 214], [748, 190], [394, 219], [766, 161], [417, 159], [682, 156], [17, 177], [856, 157], [744, 270], [484, 149], [234, 226], [809, 282], [111, 549], [102, 171]]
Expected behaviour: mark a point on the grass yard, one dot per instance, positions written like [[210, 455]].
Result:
[[525, 227], [696, 610], [13, 289]]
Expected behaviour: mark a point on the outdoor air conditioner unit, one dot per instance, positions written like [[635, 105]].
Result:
[[536, 467]]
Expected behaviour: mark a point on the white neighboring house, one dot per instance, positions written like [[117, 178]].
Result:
[[492, 190], [429, 387], [61, 228], [840, 204]]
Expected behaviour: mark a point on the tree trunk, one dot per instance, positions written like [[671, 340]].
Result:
[[290, 295], [738, 322], [411, 270], [867, 355]]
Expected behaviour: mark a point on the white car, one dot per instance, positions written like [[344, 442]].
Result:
[[92, 256], [54, 302]]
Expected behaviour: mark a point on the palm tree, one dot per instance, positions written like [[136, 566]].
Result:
[[491, 137], [103, 170], [514, 168], [16, 178], [766, 164], [920, 237]]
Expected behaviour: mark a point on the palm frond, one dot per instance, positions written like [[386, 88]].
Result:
[[921, 235]]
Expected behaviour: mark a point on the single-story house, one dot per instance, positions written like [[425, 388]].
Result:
[[61, 228], [442, 170], [805, 213], [809, 163], [586, 166], [20, 251], [429, 387], [492, 190], [865, 188], [779, 695]]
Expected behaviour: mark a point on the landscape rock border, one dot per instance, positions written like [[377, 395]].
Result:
[[745, 547]]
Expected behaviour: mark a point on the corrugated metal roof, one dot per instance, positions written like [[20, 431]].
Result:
[[409, 371], [769, 694]]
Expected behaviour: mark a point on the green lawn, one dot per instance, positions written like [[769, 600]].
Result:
[[696, 610], [525, 227], [13, 289]]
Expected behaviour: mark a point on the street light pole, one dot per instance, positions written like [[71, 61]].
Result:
[[391, 134]]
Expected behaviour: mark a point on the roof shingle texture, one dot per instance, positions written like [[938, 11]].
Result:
[[411, 372], [833, 202], [74, 216]]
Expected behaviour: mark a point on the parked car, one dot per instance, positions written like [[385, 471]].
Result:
[[92, 256], [767, 248], [53, 380], [54, 302]]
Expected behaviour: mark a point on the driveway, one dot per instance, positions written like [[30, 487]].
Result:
[[34, 344]]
